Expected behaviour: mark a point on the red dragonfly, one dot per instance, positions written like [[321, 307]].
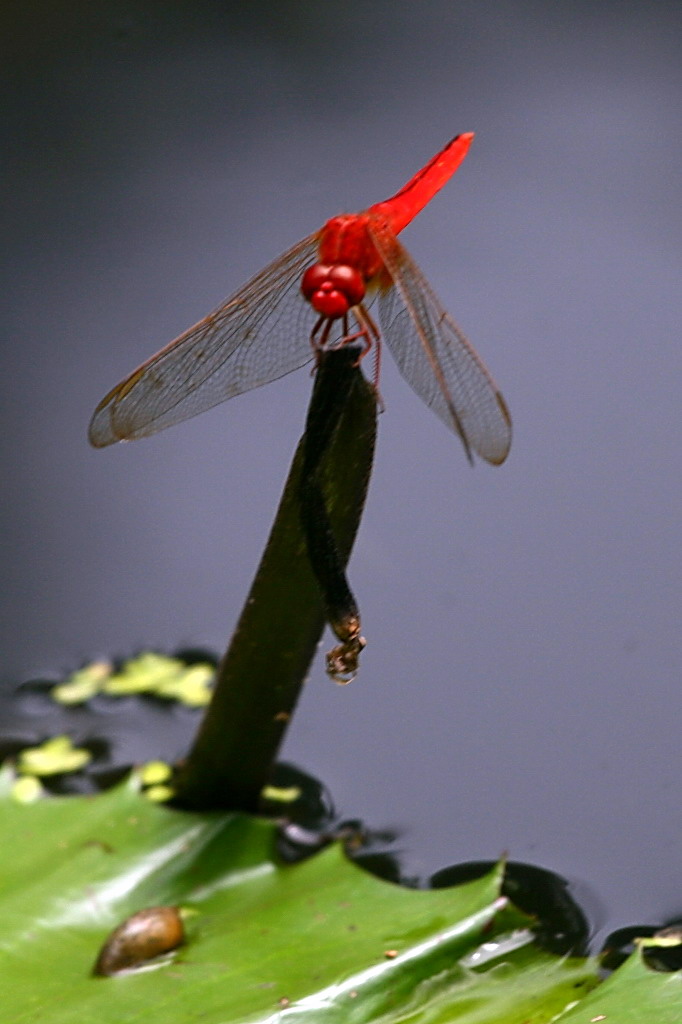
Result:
[[317, 296]]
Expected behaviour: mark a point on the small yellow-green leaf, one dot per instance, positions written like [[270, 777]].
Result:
[[26, 789], [191, 686], [143, 674], [83, 684], [281, 794], [168, 678], [53, 757], [159, 794], [154, 772]]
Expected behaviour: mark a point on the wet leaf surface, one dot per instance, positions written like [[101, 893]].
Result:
[[321, 940]]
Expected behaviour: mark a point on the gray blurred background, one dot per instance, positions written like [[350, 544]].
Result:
[[521, 686]]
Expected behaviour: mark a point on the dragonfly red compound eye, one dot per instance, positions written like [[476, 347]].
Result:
[[332, 289]]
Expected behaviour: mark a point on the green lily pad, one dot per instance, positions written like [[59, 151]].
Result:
[[634, 994], [270, 943], [319, 941]]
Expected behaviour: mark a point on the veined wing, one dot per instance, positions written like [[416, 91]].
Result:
[[258, 335], [435, 358]]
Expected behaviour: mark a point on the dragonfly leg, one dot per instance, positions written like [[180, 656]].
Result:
[[373, 339], [367, 332], [318, 341]]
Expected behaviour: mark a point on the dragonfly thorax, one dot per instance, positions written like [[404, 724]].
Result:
[[332, 289]]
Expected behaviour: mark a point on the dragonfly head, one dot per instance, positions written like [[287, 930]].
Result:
[[332, 289]]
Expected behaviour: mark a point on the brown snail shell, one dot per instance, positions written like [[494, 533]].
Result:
[[141, 937]]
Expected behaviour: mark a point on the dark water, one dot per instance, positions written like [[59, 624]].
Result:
[[520, 688]]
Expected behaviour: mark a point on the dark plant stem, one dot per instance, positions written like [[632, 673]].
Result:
[[266, 664], [326, 560]]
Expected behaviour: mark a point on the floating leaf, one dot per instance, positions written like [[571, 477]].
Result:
[[154, 772], [164, 677], [281, 794], [320, 941], [80, 686], [192, 686], [27, 789], [53, 757]]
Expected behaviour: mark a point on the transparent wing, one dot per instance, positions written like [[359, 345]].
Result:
[[435, 358], [258, 335]]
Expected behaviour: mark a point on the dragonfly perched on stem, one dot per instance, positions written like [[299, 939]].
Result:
[[314, 297]]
